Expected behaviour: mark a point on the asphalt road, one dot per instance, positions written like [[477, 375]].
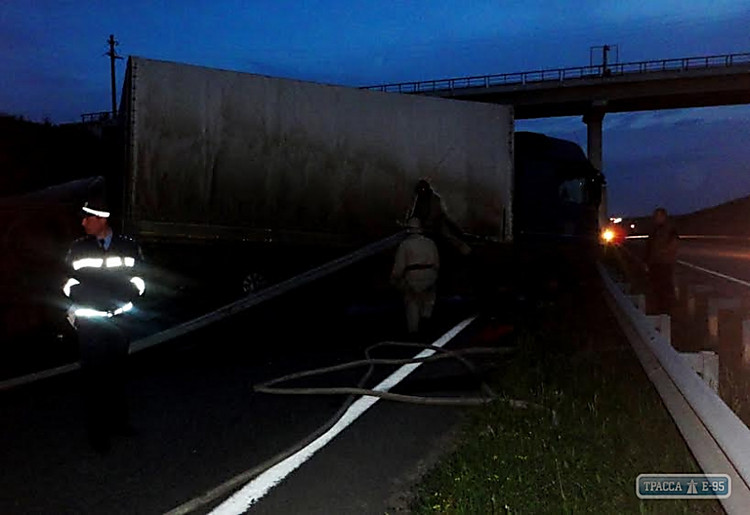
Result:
[[200, 423], [728, 258]]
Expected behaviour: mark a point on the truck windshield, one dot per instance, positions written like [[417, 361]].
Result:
[[573, 191]]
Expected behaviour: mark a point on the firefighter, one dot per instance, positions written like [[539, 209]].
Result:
[[415, 273], [103, 286]]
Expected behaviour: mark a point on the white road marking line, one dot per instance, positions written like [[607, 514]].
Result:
[[714, 272], [713, 237], [693, 237], [251, 493]]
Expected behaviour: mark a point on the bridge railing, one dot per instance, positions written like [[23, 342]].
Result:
[[564, 74], [101, 116]]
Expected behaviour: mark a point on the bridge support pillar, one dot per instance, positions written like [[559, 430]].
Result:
[[594, 121]]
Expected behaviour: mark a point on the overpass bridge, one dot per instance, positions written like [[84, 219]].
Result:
[[593, 91]]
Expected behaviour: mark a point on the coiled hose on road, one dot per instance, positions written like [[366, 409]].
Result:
[[372, 363], [269, 387]]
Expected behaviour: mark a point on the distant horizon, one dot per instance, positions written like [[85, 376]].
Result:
[[672, 213]]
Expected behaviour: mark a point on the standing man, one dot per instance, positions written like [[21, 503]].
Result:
[[415, 272], [661, 255], [103, 283]]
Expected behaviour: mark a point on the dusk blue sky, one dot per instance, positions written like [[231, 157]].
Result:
[[53, 65]]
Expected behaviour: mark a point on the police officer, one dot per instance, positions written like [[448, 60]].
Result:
[[103, 285], [415, 272]]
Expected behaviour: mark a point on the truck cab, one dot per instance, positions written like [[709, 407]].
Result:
[[557, 190]]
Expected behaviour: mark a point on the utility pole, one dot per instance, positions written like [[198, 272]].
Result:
[[112, 57]]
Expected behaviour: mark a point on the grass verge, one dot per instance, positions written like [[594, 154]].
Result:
[[610, 425]]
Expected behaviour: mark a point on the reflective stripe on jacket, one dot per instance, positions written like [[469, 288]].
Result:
[[104, 283]]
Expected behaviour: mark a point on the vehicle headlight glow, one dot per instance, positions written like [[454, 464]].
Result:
[[608, 235]]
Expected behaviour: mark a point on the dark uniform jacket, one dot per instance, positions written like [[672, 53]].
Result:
[[661, 247], [430, 210], [107, 280]]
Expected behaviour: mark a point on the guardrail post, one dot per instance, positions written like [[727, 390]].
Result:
[[714, 306], [639, 301], [706, 364], [696, 293], [711, 369], [729, 341], [663, 324]]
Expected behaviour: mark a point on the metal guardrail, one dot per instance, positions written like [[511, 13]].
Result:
[[716, 436], [566, 74]]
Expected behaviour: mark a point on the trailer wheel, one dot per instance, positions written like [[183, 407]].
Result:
[[254, 282]]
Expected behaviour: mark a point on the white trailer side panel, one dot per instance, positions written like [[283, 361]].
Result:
[[221, 153]]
